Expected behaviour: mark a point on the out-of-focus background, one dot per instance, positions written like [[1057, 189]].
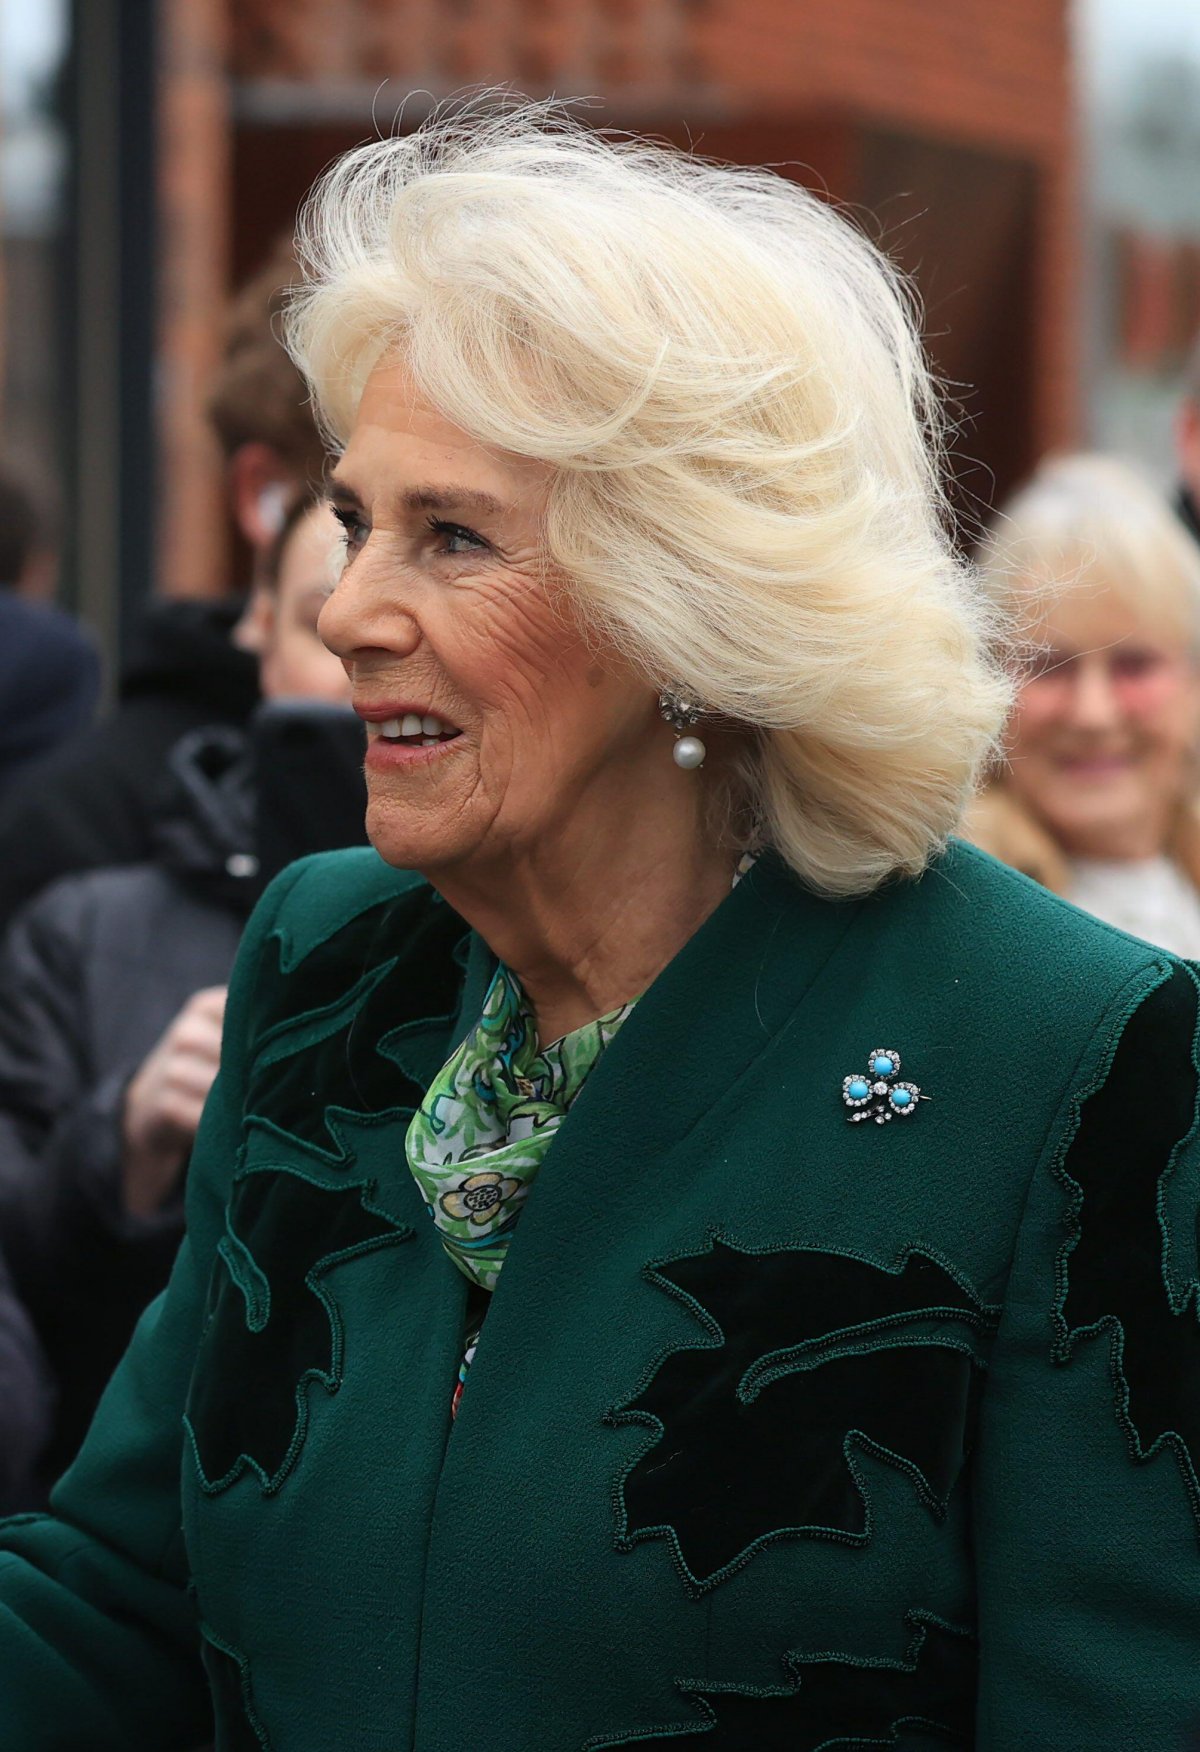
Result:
[[1034, 163]]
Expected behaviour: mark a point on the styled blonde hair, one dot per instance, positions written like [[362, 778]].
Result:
[[728, 383], [1093, 524]]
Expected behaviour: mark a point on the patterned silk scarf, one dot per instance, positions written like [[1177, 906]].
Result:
[[478, 1139]]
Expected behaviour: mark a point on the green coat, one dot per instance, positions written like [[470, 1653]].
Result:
[[783, 1432]]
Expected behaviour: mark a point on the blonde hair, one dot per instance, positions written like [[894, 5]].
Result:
[[1096, 525], [1093, 524], [728, 383]]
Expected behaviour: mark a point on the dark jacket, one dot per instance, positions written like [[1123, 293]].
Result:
[[91, 974], [25, 1401], [783, 1431], [93, 971], [92, 802], [49, 682]]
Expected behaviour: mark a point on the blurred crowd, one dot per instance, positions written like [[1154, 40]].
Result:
[[133, 846], [134, 840]]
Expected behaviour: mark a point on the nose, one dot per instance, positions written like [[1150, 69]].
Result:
[[1094, 703], [367, 616]]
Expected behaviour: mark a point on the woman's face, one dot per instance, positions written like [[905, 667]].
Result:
[[293, 662], [491, 722], [1102, 740]]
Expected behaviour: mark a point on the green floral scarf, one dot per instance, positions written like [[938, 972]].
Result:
[[477, 1141]]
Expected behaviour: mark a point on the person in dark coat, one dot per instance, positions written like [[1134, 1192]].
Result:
[[49, 667], [93, 802], [25, 1400], [49, 684], [111, 1000]]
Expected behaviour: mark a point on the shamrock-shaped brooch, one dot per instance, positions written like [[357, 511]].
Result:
[[878, 1095]]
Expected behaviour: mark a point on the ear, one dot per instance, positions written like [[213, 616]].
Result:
[[1187, 445], [39, 580], [256, 628], [261, 490]]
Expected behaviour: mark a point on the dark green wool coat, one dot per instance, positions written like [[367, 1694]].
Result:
[[783, 1432]]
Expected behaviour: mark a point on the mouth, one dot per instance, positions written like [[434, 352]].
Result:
[[411, 730], [402, 740], [1098, 765]]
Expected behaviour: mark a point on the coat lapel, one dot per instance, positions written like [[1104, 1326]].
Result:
[[692, 1037], [710, 1014]]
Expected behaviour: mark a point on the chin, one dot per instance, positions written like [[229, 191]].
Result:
[[396, 843], [402, 851], [407, 844], [1087, 834], [1085, 818]]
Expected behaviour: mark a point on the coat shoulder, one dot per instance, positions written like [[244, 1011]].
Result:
[[319, 896], [1017, 975], [1025, 933]]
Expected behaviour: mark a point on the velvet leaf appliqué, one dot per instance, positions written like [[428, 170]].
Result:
[[1113, 1274], [273, 1330], [811, 1358], [836, 1701]]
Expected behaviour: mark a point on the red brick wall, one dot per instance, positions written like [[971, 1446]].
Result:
[[995, 73], [195, 193]]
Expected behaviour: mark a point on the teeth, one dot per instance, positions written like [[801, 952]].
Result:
[[413, 726]]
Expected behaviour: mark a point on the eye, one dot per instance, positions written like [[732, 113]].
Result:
[[456, 538], [1136, 663], [354, 529]]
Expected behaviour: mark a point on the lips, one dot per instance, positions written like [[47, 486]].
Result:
[[409, 729], [1095, 766], [404, 736]]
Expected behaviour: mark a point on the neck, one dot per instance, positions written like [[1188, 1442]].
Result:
[[588, 917]]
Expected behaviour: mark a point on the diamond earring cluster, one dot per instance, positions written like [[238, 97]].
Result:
[[681, 713]]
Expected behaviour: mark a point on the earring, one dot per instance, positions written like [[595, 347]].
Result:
[[681, 713]]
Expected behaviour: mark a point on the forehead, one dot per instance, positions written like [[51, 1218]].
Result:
[[1093, 618], [400, 441]]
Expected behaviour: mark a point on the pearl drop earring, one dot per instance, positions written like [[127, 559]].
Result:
[[681, 713]]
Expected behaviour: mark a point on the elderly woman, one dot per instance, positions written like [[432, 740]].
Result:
[[1098, 797], [669, 1273]]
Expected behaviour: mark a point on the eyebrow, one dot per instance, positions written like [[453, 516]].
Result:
[[440, 499]]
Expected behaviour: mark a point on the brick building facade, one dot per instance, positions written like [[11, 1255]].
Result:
[[946, 125]]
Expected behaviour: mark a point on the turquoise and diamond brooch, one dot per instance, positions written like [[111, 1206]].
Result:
[[878, 1095]]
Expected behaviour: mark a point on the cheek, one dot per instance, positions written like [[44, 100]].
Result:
[[1163, 707], [1040, 707], [517, 658]]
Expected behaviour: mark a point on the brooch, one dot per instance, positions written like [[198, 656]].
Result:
[[878, 1095]]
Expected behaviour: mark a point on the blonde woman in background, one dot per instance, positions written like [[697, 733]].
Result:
[[1097, 797]]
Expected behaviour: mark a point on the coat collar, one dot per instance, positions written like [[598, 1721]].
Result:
[[718, 1005], [726, 994], [715, 1007]]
